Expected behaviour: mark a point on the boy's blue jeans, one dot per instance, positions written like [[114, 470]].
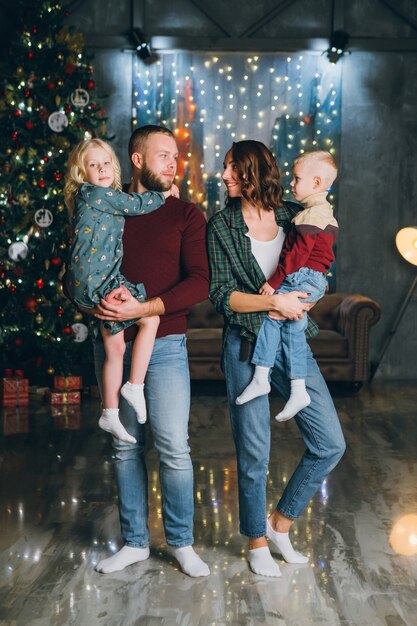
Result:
[[167, 391], [289, 335]]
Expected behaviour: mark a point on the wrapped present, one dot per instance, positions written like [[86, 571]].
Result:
[[38, 394], [14, 390], [68, 382], [64, 397], [66, 416], [15, 420]]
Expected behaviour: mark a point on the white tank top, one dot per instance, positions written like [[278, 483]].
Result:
[[267, 253]]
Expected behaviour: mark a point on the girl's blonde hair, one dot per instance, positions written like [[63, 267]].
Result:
[[76, 174]]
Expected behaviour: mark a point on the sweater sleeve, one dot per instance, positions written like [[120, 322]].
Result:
[[109, 200], [193, 287], [295, 254]]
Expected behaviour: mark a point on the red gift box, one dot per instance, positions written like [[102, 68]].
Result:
[[65, 397], [68, 382], [14, 391], [15, 420], [66, 416]]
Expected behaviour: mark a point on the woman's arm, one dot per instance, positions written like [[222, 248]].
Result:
[[281, 305]]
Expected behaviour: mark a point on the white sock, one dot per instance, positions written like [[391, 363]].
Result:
[[134, 394], [262, 563], [259, 385], [298, 400], [190, 562], [110, 422], [126, 556], [283, 543]]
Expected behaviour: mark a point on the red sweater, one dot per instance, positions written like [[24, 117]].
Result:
[[305, 246], [166, 251]]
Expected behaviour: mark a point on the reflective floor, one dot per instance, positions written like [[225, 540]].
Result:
[[58, 517]]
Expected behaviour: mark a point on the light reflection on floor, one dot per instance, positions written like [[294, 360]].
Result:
[[58, 517]]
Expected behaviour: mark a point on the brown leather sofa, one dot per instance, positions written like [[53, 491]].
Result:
[[341, 346]]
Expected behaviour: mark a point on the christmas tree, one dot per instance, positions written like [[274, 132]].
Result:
[[48, 105]]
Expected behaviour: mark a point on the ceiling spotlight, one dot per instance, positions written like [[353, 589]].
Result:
[[143, 47], [337, 46]]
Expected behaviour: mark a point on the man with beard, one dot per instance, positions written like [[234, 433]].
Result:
[[166, 251]]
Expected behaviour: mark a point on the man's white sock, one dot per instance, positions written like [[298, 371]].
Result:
[[190, 562], [126, 556]]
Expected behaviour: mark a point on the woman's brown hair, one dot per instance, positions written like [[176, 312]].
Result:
[[258, 173]]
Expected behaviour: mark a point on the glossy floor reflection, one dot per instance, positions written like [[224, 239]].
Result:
[[58, 517]]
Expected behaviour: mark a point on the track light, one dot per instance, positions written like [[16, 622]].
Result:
[[143, 47], [337, 46]]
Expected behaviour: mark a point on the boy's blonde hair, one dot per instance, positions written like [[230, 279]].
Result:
[[323, 160], [76, 174]]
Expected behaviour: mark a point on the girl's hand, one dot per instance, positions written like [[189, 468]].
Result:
[[119, 295], [266, 289], [174, 191], [288, 306]]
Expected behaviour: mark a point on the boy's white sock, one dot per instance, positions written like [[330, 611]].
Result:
[[261, 562], [283, 543], [298, 400], [190, 562], [134, 394], [126, 556], [259, 385], [110, 422]]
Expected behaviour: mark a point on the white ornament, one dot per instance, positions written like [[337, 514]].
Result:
[[80, 97], [80, 332], [57, 121], [43, 218], [18, 251]]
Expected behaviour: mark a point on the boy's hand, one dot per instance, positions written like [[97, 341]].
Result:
[[266, 289]]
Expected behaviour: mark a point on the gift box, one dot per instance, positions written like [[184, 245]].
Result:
[[66, 417], [64, 397], [14, 391], [64, 383], [15, 420], [38, 394]]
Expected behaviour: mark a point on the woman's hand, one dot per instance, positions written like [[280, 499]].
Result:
[[288, 306]]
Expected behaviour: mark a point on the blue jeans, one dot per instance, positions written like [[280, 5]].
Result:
[[318, 424], [289, 335], [167, 390]]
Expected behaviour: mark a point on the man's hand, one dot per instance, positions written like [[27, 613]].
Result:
[[288, 306], [266, 289], [128, 310]]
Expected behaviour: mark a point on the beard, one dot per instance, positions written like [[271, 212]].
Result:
[[152, 181]]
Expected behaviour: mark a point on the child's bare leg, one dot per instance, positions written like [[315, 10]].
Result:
[[133, 391], [114, 347]]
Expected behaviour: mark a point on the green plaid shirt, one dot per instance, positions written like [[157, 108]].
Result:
[[234, 268]]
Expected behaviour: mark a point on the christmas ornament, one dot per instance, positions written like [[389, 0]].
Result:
[[39, 318], [18, 251], [56, 261], [51, 370], [57, 121], [18, 341], [80, 332], [40, 283], [67, 330], [80, 97], [30, 304], [23, 199], [77, 317], [43, 218]]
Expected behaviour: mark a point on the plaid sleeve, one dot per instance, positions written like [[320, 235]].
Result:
[[222, 282]]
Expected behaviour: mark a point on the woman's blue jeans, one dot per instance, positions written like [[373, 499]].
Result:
[[318, 424], [167, 391]]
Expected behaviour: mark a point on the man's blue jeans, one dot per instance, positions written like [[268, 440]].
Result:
[[289, 335], [318, 424], [167, 390]]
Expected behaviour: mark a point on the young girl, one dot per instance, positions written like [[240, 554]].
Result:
[[98, 207]]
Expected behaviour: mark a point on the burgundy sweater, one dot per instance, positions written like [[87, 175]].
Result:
[[166, 251]]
